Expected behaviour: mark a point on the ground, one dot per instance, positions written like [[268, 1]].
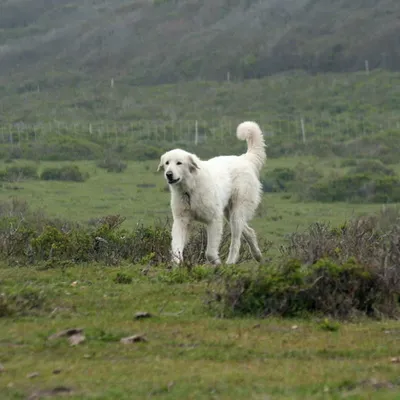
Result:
[[189, 352]]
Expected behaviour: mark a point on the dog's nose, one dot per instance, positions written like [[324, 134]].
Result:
[[169, 175]]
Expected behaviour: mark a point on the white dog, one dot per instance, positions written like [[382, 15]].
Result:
[[206, 191]]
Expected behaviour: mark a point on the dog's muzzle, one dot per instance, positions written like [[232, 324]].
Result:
[[170, 178]]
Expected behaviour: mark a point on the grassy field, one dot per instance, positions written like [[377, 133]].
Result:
[[120, 193], [189, 354]]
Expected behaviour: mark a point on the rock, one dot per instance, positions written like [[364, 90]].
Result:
[[133, 339], [76, 339], [66, 333], [142, 315]]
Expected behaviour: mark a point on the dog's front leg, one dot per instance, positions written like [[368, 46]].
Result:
[[214, 236], [180, 233]]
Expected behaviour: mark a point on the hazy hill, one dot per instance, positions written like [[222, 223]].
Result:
[[158, 41]]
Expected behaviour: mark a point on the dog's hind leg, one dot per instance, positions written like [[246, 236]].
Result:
[[237, 223], [180, 235], [214, 236], [251, 239]]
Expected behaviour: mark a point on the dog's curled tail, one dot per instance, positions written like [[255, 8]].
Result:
[[251, 132]]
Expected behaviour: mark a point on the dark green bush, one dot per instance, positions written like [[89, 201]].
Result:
[[142, 152], [25, 301], [364, 188], [345, 271], [373, 167], [326, 288], [382, 146], [112, 163], [66, 173], [19, 172], [122, 278], [54, 147], [297, 180], [278, 180]]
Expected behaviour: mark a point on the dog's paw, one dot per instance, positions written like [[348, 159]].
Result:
[[176, 260]]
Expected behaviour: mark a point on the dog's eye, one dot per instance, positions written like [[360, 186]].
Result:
[[167, 163], [178, 163]]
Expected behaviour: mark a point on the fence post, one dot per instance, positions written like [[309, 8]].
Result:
[[196, 133], [303, 130]]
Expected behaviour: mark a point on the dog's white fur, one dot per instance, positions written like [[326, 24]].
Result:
[[206, 191]]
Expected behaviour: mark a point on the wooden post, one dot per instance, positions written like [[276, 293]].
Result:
[[303, 131]]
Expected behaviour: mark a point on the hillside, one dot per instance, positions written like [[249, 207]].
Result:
[[163, 41]]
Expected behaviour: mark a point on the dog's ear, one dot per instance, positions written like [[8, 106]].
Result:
[[161, 165], [192, 164]]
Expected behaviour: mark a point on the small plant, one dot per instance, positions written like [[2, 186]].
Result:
[[278, 180], [122, 278], [18, 173], [112, 163], [25, 301], [328, 325], [66, 173]]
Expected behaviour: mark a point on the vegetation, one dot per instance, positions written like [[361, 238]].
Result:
[[187, 352], [65, 173], [350, 116], [60, 45], [18, 173], [71, 316], [350, 270], [112, 163], [90, 305]]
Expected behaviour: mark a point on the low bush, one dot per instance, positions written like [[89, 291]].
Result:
[[66, 173], [278, 180], [18, 173], [361, 187], [27, 300], [112, 163], [296, 180], [141, 152], [373, 167], [382, 146], [341, 272], [31, 237]]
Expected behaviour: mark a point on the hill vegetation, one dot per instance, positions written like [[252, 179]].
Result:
[[161, 41]]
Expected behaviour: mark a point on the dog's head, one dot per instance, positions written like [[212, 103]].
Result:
[[178, 165]]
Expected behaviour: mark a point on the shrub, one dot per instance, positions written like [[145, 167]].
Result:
[[345, 271], [112, 163], [25, 301], [142, 152], [278, 180], [62, 148], [363, 188], [66, 173], [31, 237], [382, 146], [122, 278], [373, 167], [18, 173]]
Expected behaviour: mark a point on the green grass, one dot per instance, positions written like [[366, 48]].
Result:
[[117, 193], [189, 353]]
